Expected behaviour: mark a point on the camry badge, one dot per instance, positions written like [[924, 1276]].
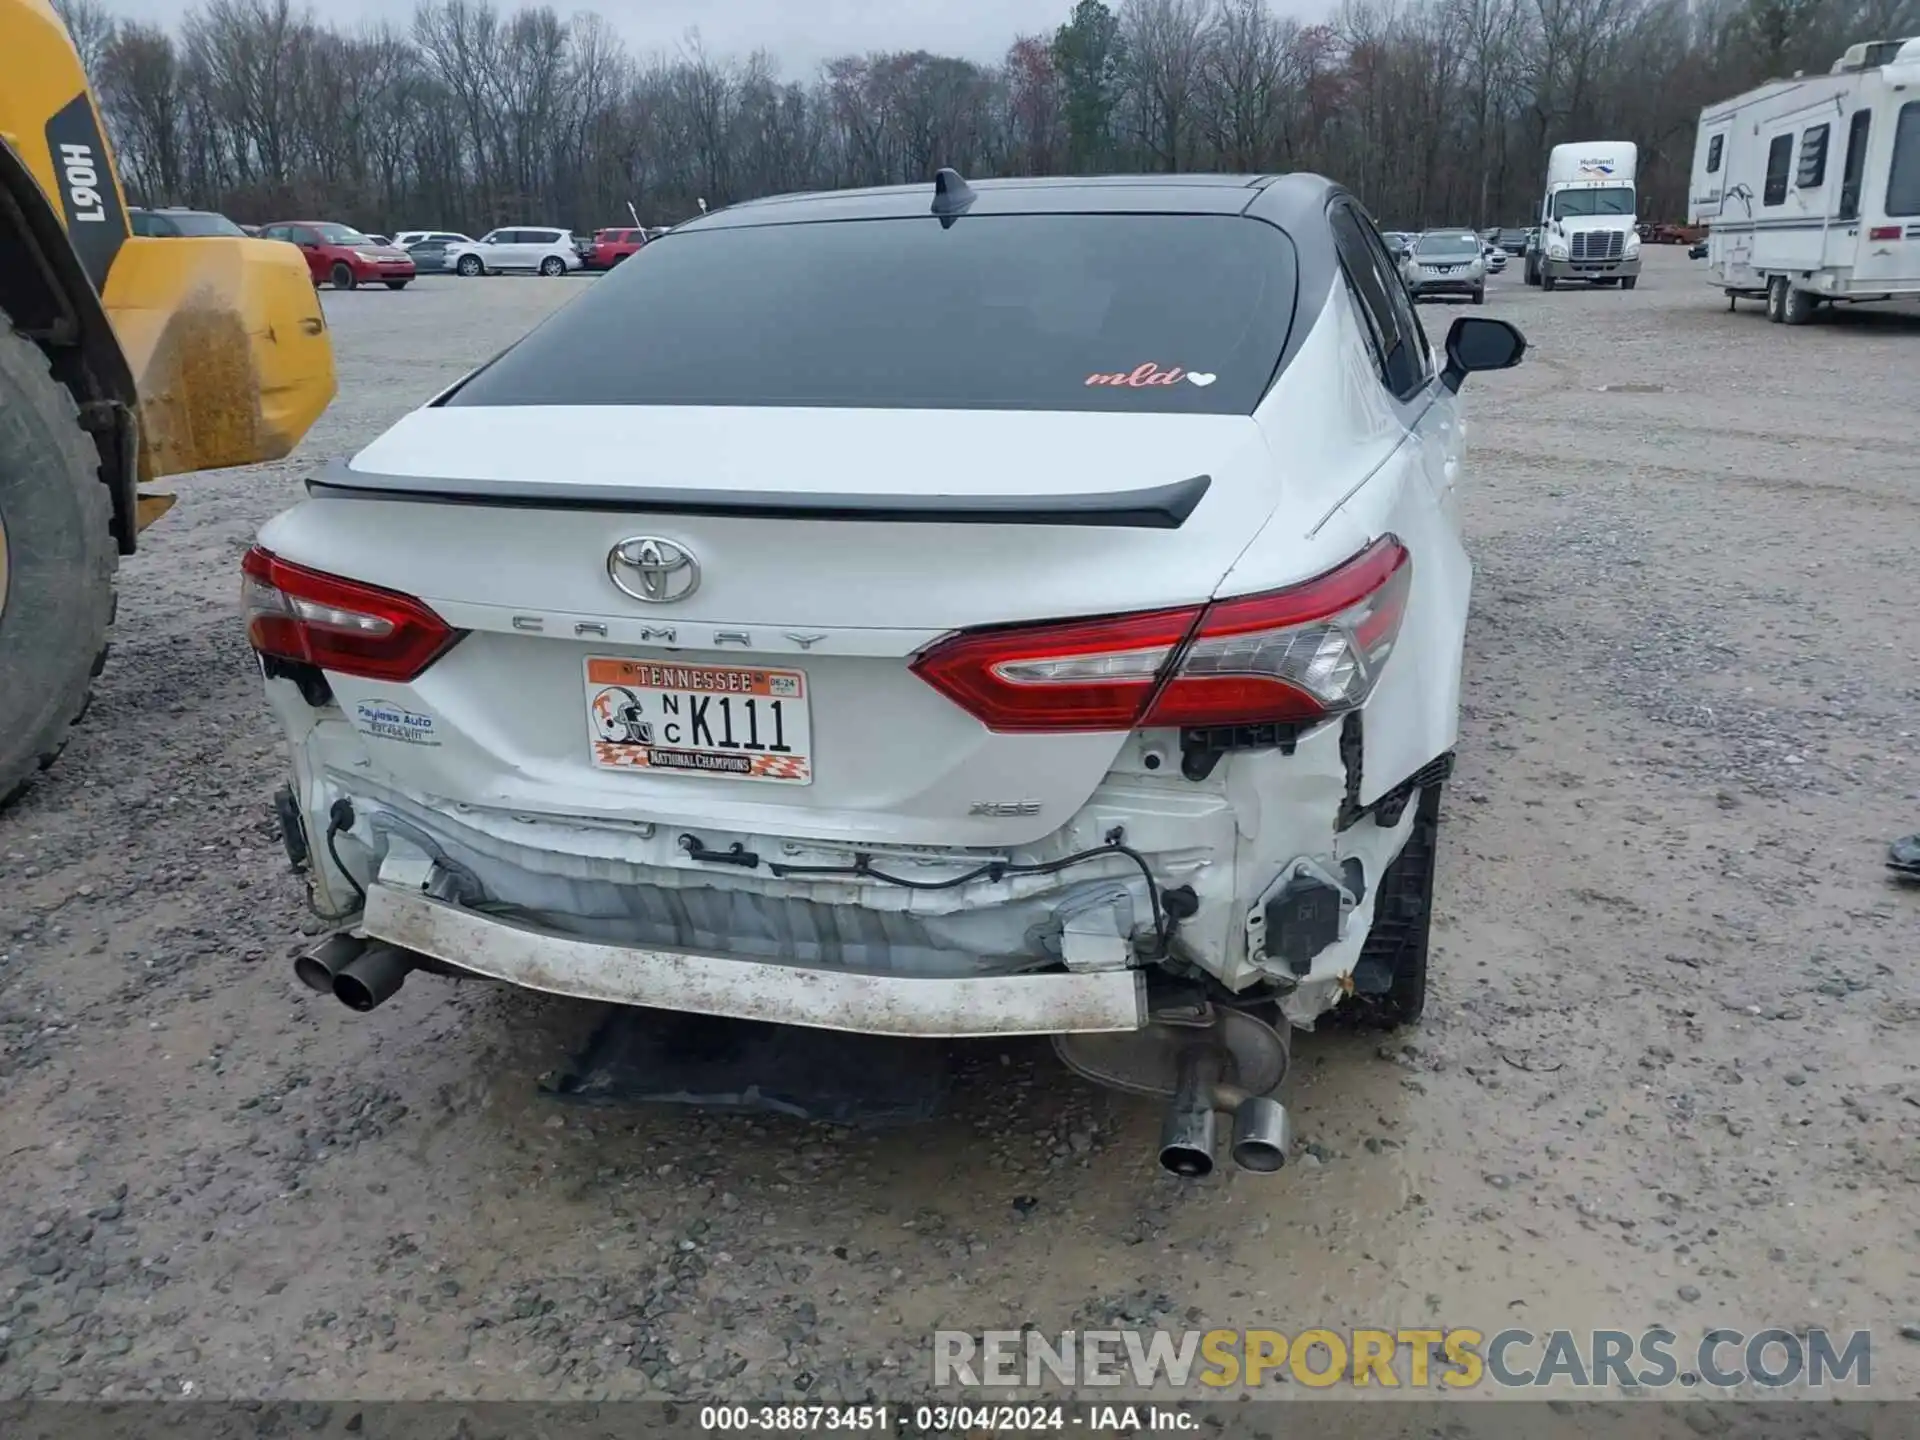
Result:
[[654, 570]]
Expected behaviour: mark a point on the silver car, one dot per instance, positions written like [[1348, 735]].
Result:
[[1446, 262]]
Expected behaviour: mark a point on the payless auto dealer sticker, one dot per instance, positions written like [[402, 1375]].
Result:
[[383, 720]]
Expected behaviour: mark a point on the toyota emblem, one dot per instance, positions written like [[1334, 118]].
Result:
[[654, 570]]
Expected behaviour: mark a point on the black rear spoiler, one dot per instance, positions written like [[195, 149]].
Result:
[[1160, 507]]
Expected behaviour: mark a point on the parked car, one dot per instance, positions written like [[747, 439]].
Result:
[[407, 239], [342, 255], [823, 717], [1494, 257], [432, 250], [1446, 262], [610, 247], [431, 257], [546, 249], [1512, 242], [174, 222], [385, 242]]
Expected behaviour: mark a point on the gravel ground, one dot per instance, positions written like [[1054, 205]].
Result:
[[1668, 1076]]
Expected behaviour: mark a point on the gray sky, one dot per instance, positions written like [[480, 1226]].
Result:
[[799, 33]]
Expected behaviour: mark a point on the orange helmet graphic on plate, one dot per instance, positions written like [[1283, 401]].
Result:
[[617, 717]]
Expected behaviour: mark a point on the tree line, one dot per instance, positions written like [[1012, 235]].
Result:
[[1434, 111]]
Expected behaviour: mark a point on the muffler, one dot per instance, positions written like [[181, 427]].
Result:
[[1262, 1131], [317, 968], [372, 977]]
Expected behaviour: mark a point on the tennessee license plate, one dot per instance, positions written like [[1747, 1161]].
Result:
[[734, 721]]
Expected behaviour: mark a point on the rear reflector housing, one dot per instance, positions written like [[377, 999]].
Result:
[[310, 617], [1294, 656], [1884, 232]]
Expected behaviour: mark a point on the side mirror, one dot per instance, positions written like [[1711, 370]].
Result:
[[1475, 343]]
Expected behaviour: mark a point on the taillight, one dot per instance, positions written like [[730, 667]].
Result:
[[1298, 655], [1884, 232], [341, 625]]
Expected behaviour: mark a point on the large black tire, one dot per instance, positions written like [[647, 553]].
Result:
[[1629, 281], [397, 284], [1799, 306], [1547, 282], [1402, 926], [470, 266], [56, 579], [342, 276], [553, 265]]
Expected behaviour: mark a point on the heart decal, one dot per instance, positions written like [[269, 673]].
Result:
[[1201, 378]]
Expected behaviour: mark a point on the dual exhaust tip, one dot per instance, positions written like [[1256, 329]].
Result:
[[1262, 1130], [360, 974]]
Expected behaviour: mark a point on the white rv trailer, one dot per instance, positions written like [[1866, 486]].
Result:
[[1810, 187]]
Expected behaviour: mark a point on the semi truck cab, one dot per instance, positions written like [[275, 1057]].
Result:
[[1588, 221]]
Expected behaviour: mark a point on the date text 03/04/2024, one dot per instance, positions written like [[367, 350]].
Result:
[[943, 1419]]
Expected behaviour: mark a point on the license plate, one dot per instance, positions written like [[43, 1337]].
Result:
[[733, 721]]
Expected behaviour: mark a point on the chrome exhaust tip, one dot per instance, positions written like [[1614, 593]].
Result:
[[1187, 1133], [1262, 1135], [1262, 1130], [373, 977], [317, 968]]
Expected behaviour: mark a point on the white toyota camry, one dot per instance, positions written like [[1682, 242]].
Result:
[[1026, 607]]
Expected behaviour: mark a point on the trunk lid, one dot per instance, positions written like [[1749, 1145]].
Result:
[[470, 509]]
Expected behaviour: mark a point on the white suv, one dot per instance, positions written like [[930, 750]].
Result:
[[545, 249], [1045, 617]]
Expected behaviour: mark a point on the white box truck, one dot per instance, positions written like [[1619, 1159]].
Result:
[[1810, 187], [1588, 227]]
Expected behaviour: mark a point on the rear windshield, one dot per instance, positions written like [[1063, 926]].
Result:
[[1182, 314]]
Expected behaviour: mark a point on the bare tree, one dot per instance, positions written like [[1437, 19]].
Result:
[[91, 25], [1166, 46], [1434, 111]]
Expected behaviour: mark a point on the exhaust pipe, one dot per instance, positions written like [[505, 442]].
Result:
[[1262, 1134], [1186, 1135], [1262, 1130], [317, 968], [373, 977]]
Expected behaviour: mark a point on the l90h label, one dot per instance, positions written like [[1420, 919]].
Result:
[[96, 222]]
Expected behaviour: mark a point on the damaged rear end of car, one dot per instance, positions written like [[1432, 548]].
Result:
[[1037, 666]]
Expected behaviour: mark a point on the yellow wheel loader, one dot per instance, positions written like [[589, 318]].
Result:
[[122, 359]]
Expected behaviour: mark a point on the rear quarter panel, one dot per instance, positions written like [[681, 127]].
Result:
[[1344, 445]]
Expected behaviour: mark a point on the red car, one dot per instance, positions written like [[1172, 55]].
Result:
[[341, 255], [610, 247]]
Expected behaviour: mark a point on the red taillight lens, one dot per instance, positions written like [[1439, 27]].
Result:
[[1884, 232], [340, 625], [1078, 675], [1298, 655]]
